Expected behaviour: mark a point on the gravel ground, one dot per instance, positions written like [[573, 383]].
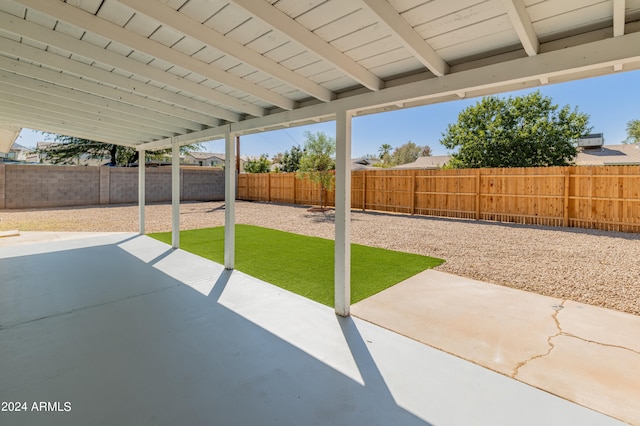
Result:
[[595, 267]]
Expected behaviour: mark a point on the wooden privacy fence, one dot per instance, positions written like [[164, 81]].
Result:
[[601, 197]]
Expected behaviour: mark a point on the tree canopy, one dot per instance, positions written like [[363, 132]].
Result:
[[406, 153], [385, 154], [317, 162], [521, 131], [633, 132], [69, 150], [258, 165], [409, 152], [288, 161], [291, 159]]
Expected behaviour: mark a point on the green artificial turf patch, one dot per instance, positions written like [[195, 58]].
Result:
[[301, 264]]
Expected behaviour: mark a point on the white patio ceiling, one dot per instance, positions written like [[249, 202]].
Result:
[[141, 72], [8, 135]]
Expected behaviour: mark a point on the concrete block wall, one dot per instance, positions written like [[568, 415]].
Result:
[[40, 186], [33, 186], [158, 184], [123, 185], [202, 185], [105, 187]]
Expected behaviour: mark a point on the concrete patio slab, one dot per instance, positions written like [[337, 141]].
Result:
[[586, 354], [123, 330], [604, 378], [30, 237], [611, 328], [9, 233], [496, 328]]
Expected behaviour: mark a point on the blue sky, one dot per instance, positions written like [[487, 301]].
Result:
[[611, 101]]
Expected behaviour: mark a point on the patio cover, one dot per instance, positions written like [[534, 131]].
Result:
[[8, 135], [156, 74]]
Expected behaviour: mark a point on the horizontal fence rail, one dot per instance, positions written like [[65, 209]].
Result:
[[598, 197]]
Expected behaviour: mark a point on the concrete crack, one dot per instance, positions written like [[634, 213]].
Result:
[[84, 308], [608, 345], [560, 332], [557, 309]]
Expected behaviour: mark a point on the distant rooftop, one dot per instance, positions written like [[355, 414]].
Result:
[[205, 155], [595, 156], [609, 155], [430, 162]]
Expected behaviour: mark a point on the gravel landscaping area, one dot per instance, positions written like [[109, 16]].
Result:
[[595, 267]]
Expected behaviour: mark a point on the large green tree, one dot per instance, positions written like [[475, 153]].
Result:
[[409, 152], [317, 162], [633, 132], [521, 131], [70, 150]]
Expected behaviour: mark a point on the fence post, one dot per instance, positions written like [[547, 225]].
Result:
[[567, 172], [269, 187], [364, 190], [591, 219], [413, 192], [294, 188], [478, 194]]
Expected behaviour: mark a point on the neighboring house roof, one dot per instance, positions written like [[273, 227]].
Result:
[[17, 147], [363, 163], [205, 155], [45, 145], [362, 160], [20, 152], [357, 166], [218, 155], [604, 155], [429, 162], [32, 157], [609, 155]]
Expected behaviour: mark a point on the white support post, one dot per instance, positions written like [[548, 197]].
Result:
[[141, 188], [342, 261], [175, 195], [229, 201]]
